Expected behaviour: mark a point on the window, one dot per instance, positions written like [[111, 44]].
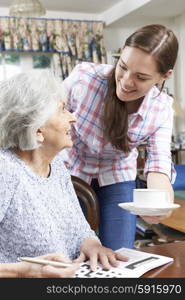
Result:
[[12, 63], [41, 61], [9, 65]]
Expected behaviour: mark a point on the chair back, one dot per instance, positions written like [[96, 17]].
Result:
[[88, 201]]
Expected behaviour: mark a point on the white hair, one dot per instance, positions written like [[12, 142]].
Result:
[[27, 101]]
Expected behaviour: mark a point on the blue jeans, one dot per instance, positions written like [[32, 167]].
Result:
[[117, 226]]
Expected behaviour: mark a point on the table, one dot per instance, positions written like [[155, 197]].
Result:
[[177, 218], [174, 269]]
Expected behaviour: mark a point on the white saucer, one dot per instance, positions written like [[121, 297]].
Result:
[[148, 211]]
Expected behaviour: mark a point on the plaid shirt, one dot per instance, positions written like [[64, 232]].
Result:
[[91, 157]]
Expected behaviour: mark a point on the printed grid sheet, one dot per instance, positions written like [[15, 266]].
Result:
[[138, 263], [86, 272]]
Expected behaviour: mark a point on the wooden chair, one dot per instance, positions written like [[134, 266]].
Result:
[[88, 201]]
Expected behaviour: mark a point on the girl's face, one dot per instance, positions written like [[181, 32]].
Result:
[[136, 73]]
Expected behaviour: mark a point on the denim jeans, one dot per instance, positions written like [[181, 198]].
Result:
[[117, 226]]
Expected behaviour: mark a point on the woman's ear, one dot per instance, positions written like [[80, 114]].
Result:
[[168, 74], [40, 137], [165, 76]]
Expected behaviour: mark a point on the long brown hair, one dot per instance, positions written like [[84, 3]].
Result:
[[161, 43]]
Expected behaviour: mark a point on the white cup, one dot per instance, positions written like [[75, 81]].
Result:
[[153, 198]]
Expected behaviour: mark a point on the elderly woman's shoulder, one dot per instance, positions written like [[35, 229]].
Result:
[[8, 168]]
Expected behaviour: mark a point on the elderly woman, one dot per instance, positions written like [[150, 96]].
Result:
[[39, 211]]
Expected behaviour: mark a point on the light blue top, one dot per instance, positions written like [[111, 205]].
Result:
[[38, 215]]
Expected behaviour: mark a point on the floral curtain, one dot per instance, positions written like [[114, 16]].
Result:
[[70, 41]]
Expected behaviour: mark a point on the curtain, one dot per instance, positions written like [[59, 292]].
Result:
[[70, 41]]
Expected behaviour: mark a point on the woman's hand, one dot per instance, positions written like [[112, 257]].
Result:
[[28, 269], [157, 180], [92, 249], [156, 219]]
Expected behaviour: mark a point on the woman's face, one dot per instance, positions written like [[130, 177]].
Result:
[[56, 131], [136, 73]]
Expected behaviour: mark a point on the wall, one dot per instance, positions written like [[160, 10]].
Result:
[[59, 15]]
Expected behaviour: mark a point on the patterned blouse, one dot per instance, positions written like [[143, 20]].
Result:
[[38, 215], [91, 157]]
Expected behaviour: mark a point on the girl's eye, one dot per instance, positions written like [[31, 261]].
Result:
[[140, 78], [123, 67]]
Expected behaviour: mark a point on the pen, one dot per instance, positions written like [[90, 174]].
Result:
[[44, 262]]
